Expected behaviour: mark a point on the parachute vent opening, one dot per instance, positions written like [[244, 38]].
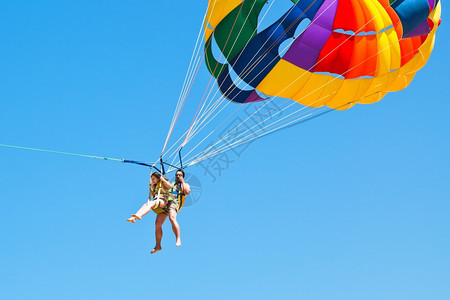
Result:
[[217, 53], [362, 33], [346, 32], [386, 28], [262, 95], [266, 19], [284, 46], [364, 77], [302, 27], [331, 74], [238, 81]]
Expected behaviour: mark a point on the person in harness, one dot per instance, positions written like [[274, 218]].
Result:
[[179, 192], [159, 191]]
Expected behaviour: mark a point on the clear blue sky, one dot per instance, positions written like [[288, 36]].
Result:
[[364, 214]]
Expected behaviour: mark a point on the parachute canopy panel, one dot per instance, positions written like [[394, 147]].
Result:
[[352, 51]]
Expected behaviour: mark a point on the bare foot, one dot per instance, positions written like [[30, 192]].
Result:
[[155, 250], [178, 244], [136, 217], [132, 220]]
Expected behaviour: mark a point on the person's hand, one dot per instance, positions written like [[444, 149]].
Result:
[[150, 185]]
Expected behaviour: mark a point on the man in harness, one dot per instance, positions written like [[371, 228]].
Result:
[[178, 193]]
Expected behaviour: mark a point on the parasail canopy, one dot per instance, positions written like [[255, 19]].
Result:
[[352, 51], [327, 55]]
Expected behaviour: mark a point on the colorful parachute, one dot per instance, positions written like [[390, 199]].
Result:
[[352, 51]]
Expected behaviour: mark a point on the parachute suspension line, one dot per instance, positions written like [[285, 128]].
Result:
[[174, 144], [198, 144], [257, 61], [261, 132], [188, 81], [215, 68], [202, 105], [302, 97], [173, 126], [257, 124], [208, 106], [189, 75], [237, 108], [217, 103], [194, 58], [187, 132], [271, 46], [221, 98], [205, 95], [198, 63], [237, 144], [230, 144]]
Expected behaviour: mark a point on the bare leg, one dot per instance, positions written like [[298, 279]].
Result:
[[160, 218], [145, 209], [175, 226]]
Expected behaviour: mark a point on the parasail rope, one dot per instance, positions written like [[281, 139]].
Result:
[[146, 164], [187, 82], [210, 80], [239, 143], [193, 63], [316, 112], [60, 152], [303, 119]]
